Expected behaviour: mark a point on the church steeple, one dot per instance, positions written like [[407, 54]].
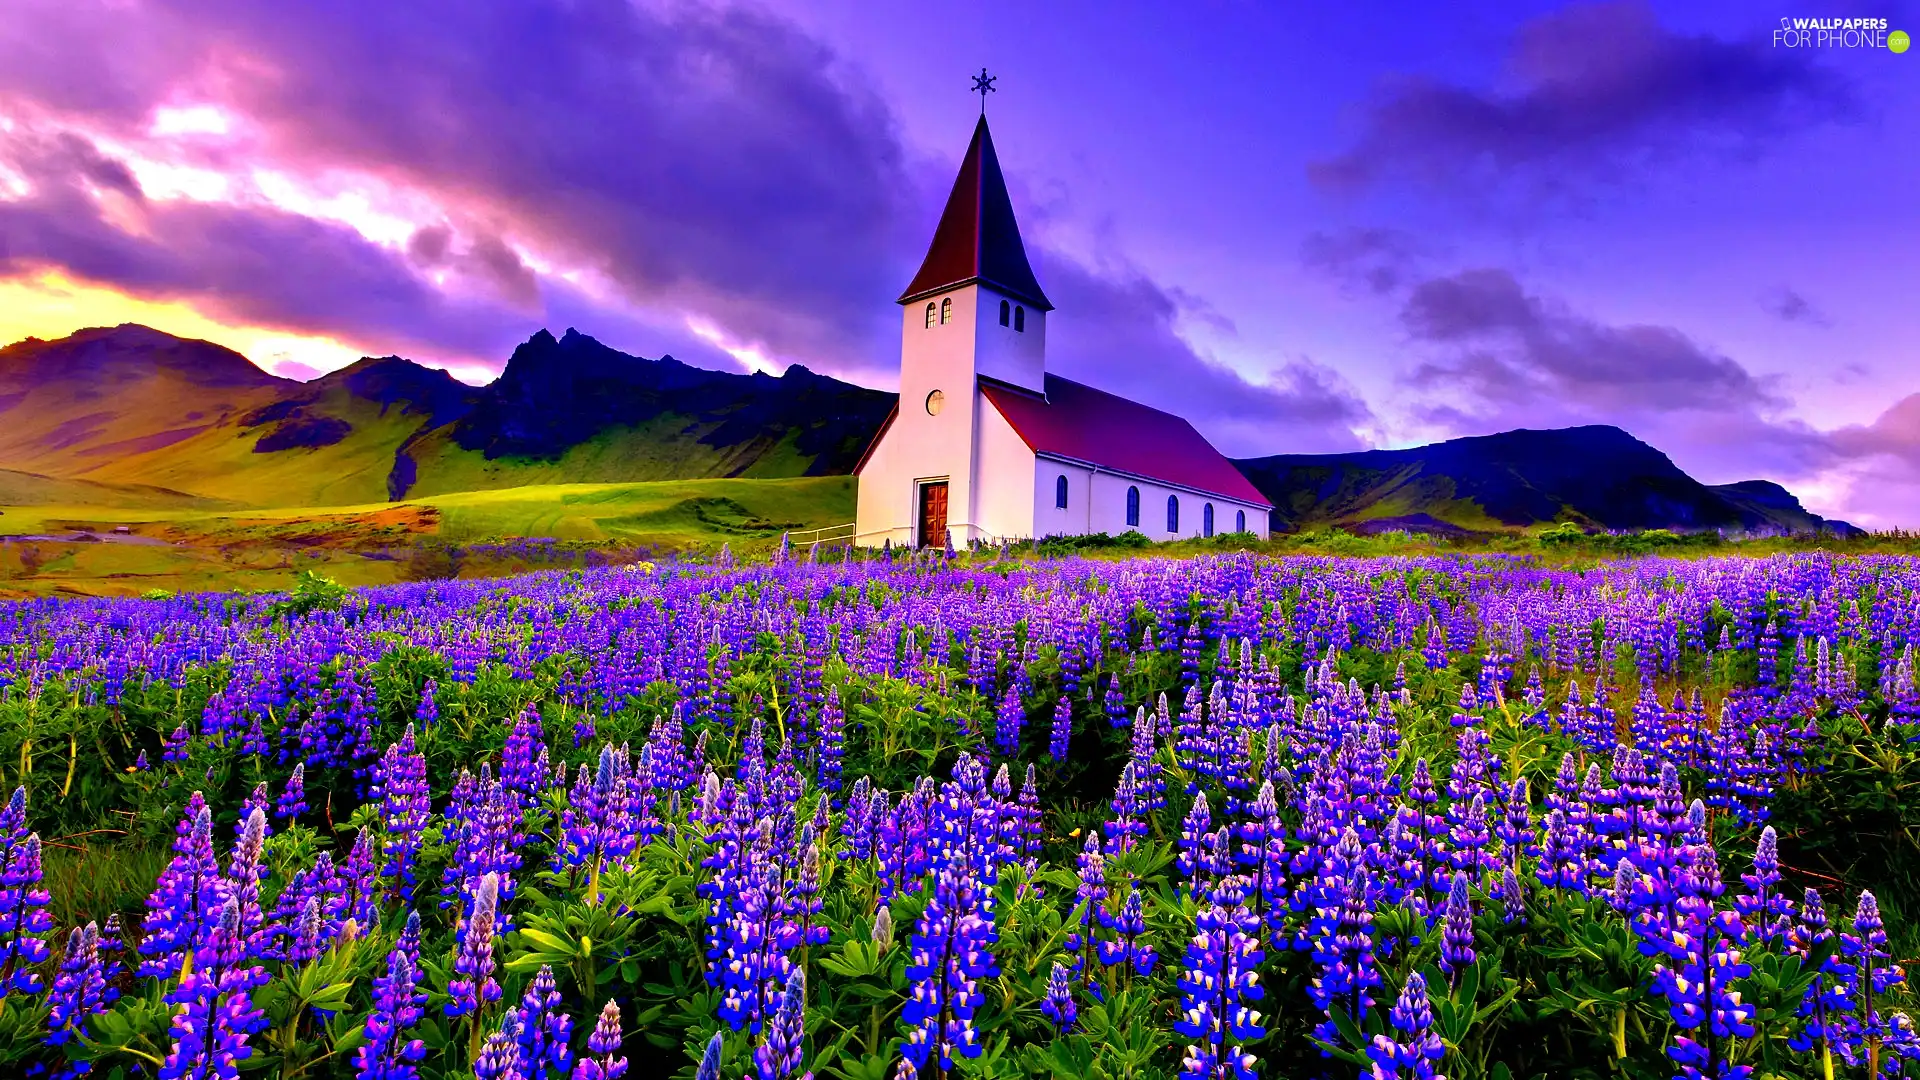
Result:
[[978, 240]]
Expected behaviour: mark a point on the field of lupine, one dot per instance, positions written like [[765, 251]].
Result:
[[931, 817]]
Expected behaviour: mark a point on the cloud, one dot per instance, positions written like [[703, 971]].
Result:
[[1599, 86], [1120, 331], [1789, 306], [633, 169], [1518, 350], [1373, 259], [294, 369], [248, 264]]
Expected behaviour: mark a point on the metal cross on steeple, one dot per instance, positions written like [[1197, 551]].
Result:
[[983, 85]]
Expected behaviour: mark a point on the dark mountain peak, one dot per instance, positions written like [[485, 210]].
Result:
[[1596, 475], [109, 354], [397, 381]]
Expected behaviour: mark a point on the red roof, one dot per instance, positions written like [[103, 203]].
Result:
[[1076, 421], [977, 239]]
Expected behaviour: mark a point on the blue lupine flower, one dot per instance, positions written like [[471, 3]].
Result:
[[472, 987], [398, 1004], [1456, 935], [293, 798], [1220, 979], [603, 1043], [1415, 1049], [1058, 1005], [779, 1054], [950, 952], [80, 990], [215, 1014]]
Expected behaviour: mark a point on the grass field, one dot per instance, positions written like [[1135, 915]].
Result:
[[177, 543]]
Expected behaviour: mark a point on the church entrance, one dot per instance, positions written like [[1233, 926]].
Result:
[[933, 514]]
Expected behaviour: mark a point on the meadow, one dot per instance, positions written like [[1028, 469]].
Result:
[[932, 816], [62, 539]]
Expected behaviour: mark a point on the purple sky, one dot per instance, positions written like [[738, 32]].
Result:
[[1304, 231]]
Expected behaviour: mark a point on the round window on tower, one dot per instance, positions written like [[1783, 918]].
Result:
[[934, 402]]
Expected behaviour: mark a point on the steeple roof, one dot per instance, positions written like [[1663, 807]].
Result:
[[978, 240]]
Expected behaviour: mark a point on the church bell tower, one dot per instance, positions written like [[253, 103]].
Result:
[[974, 314]]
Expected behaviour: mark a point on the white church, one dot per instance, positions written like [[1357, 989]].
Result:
[[985, 445]]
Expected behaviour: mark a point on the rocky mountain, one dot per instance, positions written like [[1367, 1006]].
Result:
[[1596, 476], [132, 407]]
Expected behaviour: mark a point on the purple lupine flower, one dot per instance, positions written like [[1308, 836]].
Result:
[[1060, 736], [778, 1056], [215, 1014], [1089, 900], [23, 918], [709, 1060], [1865, 972], [523, 769], [599, 1062], [1339, 933], [499, 1057], [185, 900], [245, 867], [1220, 979], [428, 710], [1059, 1006], [398, 1004], [950, 952], [1415, 1049], [306, 944], [472, 987], [361, 885], [1456, 935], [833, 740], [546, 1030], [1008, 718], [1129, 927], [81, 989], [293, 798], [1762, 907], [400, 783]]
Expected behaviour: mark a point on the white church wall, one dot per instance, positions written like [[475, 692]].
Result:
[[1097, 502], [920, 445], [1001, 352], [1004, 499]]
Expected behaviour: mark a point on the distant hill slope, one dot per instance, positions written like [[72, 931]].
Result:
[[129, 406], [1595, 476]]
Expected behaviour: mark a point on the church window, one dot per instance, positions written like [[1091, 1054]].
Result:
[[1133, 507], [946, 310], [1060, 493], [1206, 519], [935, 401], [1005, 309], [1239, 521], [1173, 513], [1019, 319], [930, 311]]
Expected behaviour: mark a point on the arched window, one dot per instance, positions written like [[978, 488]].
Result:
[[1004, 309], [1239, 521], [1020, 319], [1133, 507], [946, 309], [1206, 520], [930, 311], [1060, 493], [1173, 513]]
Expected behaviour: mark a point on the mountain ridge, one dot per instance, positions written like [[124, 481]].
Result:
[[129, 408]]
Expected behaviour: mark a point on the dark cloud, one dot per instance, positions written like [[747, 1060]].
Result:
[[1499, 357], [1599, 85], [1119, 331], [1512, 348], [1789, 306], [1374, 259]]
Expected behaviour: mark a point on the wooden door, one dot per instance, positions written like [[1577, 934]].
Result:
[[933, 514]]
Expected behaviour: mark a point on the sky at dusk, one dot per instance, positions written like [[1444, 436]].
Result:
[[1369, 225]]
